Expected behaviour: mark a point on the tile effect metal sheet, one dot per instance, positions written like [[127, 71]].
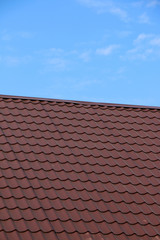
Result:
[[76, 170]]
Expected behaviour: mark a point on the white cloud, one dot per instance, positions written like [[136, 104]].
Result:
[[6, 37], [102, 6], [26, 35], [155, 42], [50, 52], [147, 39], [121, 70], [145, 47], [144, 18], [55, 50], [137, 3], [85, 56], [139, 53], [55, 53], [146, 3], [57, 64], [106, 51], [141, 37], [94, 3], [56, 59], [14, 60], [123, 34], [82, 84], [153, 3], [119, 12]]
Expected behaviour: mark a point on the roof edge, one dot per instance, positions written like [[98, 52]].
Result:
[[79, 102]]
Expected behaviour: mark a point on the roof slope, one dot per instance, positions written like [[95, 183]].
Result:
[[78, 171]]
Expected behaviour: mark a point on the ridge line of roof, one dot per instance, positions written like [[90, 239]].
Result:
[[79, 102]]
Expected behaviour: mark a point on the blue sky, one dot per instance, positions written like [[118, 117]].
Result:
[[89, 50]]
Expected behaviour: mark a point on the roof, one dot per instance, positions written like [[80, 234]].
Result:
[[76, 170]]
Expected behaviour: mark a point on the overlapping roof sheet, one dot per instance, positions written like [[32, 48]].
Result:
[[78, 171]]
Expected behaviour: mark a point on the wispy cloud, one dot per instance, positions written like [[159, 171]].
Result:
[[153, 3], [50, 52], [141, 37], [25, 34], [119, 12], [137, 3], [146, 3], [107, 50], [85, 56], [58, 59], [14, 61], [147, 39], [139, 53], [155, 41], [55, 59], [56, 64], [121, 70], [145, 47], [144, 18], [123, 33], [95, 3], [8, 36], [82, 84], [102, 6]]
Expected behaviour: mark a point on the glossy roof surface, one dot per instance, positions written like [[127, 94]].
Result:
[[78, 171]]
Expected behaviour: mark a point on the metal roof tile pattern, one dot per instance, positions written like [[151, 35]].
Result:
[[75, 170]]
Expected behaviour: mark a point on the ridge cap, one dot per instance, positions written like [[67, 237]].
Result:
[[118, 105]]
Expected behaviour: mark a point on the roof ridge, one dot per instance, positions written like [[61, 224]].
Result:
[[80, 102]]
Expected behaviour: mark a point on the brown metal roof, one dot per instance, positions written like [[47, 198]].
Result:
[[78, 171]]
